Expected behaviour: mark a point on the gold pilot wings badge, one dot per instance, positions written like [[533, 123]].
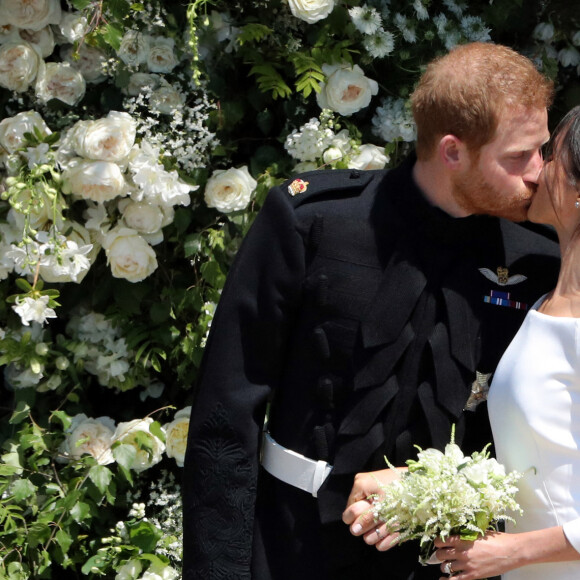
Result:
[[502, 278]]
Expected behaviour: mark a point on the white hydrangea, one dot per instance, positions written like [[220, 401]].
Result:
[[309, 142], [33, 309], [393, 121]]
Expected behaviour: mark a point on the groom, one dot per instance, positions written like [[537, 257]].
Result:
[[362, 310]]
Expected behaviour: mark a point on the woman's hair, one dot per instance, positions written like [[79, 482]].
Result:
[[464, 92], [567, 137]]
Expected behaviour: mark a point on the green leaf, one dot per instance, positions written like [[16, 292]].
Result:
[[64, 419], [113, 35], [253, 32], [80, 511], [192, 245], [101, 476], [156, 430], [64, 540], [38, 533], [125, 455], [95, 565], [21, 412], [22, 489], [81, 4], [144, 535]]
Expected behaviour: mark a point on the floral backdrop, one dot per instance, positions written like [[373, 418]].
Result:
[[137, 142]]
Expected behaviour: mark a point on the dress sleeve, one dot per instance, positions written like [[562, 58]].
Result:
[[242, 364]]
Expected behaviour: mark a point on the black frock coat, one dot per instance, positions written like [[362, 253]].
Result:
[[360, 314]]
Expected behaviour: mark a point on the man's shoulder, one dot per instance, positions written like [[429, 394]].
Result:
[[530, 238], [338, 184]]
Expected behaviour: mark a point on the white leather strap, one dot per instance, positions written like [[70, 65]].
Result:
[[293, 468]]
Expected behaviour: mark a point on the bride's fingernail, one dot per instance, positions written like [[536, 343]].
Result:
[[357, 529]]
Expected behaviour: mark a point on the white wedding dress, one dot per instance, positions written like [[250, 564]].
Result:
[[534, 409]]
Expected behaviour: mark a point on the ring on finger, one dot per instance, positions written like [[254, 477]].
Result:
[[378, 533], [447, 569]]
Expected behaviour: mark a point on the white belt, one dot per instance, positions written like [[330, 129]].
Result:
[[293, 468]]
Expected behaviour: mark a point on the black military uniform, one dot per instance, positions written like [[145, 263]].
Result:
[[364, 314]]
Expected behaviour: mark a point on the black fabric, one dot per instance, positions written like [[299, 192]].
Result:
[[358, 311]]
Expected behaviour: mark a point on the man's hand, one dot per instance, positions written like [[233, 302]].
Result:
[[359, 515]]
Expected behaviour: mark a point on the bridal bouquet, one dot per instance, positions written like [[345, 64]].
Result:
[[445, 494]]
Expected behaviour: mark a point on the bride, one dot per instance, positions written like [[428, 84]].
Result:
[[534, 404]]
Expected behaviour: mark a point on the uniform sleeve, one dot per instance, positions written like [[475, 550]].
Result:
[[572, 532], [243, 360]]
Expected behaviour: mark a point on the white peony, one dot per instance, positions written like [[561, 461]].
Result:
[[19, 66], [230, 190], [369, 157], [144, 217], [12, 129], [126, 433], [73, 26], [134, 48], [346, 90], [88, 60], [99, 181], [176, 435], [59, 80], [90, 436], [129, 255], [43, 39], [161, 57], [31, 14], [108, 139], [311, 11]]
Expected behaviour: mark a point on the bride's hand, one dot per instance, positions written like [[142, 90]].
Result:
[[491, 555]]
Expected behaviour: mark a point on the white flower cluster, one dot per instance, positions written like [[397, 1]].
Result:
[[316, 143], [393, 121], [568, 55], [96, 437], [444, 494], [377, 41], [311, 11], [31, 31]]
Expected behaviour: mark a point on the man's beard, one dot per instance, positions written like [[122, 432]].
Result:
[[474, 194]]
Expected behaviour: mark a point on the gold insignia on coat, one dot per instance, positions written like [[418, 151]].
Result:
[[502, 278], [297, 186], [479, 390]]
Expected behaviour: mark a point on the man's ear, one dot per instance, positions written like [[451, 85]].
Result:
[[453, 152]]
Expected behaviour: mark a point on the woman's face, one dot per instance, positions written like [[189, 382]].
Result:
[[554, 201]]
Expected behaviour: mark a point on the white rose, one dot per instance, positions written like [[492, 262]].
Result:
[[129, 255], [134, 48], [126, 433], [9, 33], [160, 572], [99, 181], [161, 57], [311, 11], [89, 61], [176, 435], [144, 217], [332, 154], [73, 26], [369, 157], [19, 66], [230, 190], [12, 129], [166, 99], [138, 82], [59, 80], [108, 139], [346, 90], [90, 436], [43, 39], [31, 14]]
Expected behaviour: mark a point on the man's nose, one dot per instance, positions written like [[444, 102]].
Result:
[[534, 168]]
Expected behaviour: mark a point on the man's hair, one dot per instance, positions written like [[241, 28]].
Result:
[[464, 92]]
